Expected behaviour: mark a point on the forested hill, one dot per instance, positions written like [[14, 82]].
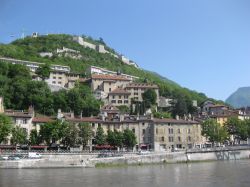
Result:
[[29, 49]]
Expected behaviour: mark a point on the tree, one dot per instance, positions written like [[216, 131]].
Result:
[[52, 131], [34, 137], [123, 109], [214, 131], [149, 98], [118, 138], [85, 133], [43, 71], [179, 107], [5, 127], [71, 136], [111, 138], [19, 136], [129, 139], [100, 138]]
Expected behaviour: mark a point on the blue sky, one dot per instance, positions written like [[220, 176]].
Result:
[[203, 45]]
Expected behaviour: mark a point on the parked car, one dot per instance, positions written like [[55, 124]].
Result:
[[3, 158], [14, 157], [33, 155], [144, 152]]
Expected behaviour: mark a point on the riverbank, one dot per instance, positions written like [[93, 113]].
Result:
[[90, 161]]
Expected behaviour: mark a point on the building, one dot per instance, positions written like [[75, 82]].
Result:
[[119, 97], [164, 102], [63, 79], [102, 85], [176, 134], [33, 66], [155, 134], [23, 119], [82, 42], [102, 71], [137, 89], [101, 49]]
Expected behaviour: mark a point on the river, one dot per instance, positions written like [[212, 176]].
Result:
[[206, 174]]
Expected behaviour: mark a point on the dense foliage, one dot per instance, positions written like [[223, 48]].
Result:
[[214, 131], [29, 49], [20, 92], [5, 127]]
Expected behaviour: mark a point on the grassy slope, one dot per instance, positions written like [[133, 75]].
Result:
[[28, 49]]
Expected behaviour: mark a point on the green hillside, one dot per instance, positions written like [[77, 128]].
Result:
[[240, 98], [29, 49]]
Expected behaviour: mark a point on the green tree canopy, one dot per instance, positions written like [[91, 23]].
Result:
[[43, 71], [85, 133], [214, 131], [129, 139], [19, 136], [100, 138], [149, 97], [5, 127]]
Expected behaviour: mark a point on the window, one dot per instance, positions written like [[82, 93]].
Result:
[[189, 139], [53, 82], [143, 131], [120, 96], [156, 130], [54, 77], [170, 131], [179, 131], [171, 139], [59, 77], [126, 97], [113, 101], [133, 130], [119, 101], [136, 89], [162, 138], [113, 97], [189, 131], [110, 89], [59, 82], [93, 125], [126, 101], [143, 124], [99, 124], [110, 83], [136, 98], [135, 93], [179, 138]]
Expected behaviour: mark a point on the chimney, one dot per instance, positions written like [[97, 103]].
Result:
[[177, 117], [31, 110], [121, 117], [59, 114], [1, 105], [72, 114]]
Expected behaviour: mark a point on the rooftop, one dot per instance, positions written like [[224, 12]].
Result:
[[141, 85], [119, 91], [109, 77]]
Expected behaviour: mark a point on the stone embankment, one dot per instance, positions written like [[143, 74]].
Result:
[[85, 161]]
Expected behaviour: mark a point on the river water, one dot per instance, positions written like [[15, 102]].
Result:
[[207, 174]]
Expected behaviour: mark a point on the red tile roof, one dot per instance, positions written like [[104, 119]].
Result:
[[84, 119], [109, 77], [174, 121], [42, 120]]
